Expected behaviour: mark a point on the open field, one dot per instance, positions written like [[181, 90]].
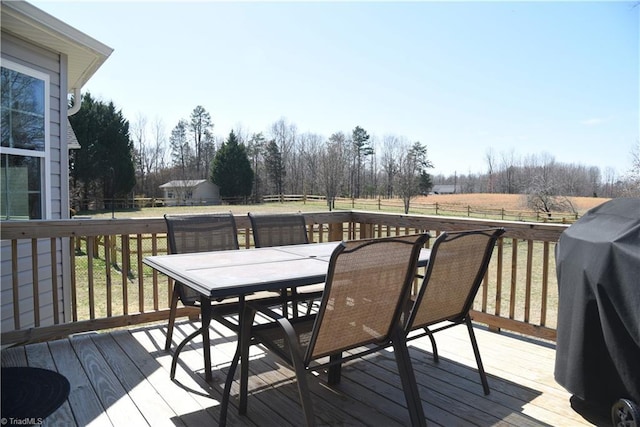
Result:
[[479, 202], [506, 201]]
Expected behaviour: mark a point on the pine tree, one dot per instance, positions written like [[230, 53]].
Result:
[[104, 165], [231, 170]]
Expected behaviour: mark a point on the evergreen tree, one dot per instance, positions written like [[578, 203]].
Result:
[[231, 170], [275, 166], [104, 165]]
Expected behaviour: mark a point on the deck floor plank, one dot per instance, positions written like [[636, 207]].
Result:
[[85, 405], [122, 378], [114, 398], [39, 356], [149, 402]]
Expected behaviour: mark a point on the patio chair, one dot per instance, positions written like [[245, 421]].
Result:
[[202, 233], [457, 266], [280, 230], [368, 284]]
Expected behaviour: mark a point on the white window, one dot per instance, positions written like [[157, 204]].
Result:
[[24, 148]]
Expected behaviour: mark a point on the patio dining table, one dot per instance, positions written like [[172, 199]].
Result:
[[236, 273]]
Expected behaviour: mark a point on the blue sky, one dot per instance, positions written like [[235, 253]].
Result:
[[560, 78]]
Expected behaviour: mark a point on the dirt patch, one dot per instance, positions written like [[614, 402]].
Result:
[[506, 201]]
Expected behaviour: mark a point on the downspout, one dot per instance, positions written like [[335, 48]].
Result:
[[77, 102]]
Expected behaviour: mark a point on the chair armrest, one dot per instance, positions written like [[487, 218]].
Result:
[[265, 310]]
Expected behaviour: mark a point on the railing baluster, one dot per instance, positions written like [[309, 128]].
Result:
[[54, 280], [125, 273], [35, 282], [140, 274], [514, 278], [500, 248], [15, 283], [90, 253], [527, 295], [77, 247], [154, 283], [545, 284], [108, 269]]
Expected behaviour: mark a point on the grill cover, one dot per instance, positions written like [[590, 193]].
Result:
[[598, 332]]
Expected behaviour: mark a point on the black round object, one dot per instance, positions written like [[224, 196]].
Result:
[[31, 394], [625, 413]]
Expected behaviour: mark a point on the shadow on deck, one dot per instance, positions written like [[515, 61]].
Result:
[[122, 379]]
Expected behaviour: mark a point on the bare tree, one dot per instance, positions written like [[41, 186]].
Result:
[[632, 181], [491, 165], [255, 150], [544, 194], [284, 135], [391, 148], [332, 160], [200, 127]]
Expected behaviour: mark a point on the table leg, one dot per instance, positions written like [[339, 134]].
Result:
[[244, 341], [205, 311]]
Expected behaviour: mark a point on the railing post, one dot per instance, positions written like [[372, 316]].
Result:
[[336, 232]]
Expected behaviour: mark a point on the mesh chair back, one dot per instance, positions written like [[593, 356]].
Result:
[[278, 229], [457, 265], [367, 286], [199, 233]]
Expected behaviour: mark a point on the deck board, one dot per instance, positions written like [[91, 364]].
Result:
[[122, 378]]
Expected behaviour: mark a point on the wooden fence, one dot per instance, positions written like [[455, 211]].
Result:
[[111, 287]]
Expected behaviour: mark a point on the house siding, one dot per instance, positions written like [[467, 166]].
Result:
[[54, 65]]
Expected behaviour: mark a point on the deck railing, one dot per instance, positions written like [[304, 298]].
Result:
[[108, 286]]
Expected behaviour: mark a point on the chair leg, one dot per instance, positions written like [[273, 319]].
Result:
[[226, 395], [335, 371], [434, 347], [176, 353], [476, 352], [303, 386], [172, 317], [408, 379]]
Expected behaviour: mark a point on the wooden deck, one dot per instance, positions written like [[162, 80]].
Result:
[[122, 379]]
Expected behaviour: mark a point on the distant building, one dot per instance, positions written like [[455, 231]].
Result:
[[190, 192], [446, 189]]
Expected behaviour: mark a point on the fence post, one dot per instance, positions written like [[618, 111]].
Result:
[[468, 210], [436, 208]]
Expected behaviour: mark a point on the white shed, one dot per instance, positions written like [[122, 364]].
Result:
[[190, 192]]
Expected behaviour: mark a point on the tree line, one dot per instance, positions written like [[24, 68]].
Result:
[[282, 160]]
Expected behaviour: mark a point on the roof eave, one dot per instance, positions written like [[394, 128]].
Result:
[[86, 54]]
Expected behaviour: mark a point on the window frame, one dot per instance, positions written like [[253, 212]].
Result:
[[45, 154]]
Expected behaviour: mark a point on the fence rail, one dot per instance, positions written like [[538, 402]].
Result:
[[106, 285]]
